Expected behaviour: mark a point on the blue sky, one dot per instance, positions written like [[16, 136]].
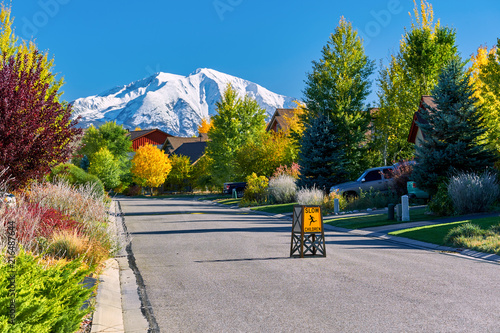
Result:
[[101, 44]]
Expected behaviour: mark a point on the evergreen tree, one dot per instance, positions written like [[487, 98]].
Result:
[[338, 87], [322, 157], [85, 163], [451, 131], [237, 121]]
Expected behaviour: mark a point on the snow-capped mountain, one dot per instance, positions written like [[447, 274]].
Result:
[[175, 104]]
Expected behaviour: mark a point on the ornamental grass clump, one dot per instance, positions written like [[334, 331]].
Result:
[[310, 196], [282, 189], [473, 193], [50, 215], [472, 237]]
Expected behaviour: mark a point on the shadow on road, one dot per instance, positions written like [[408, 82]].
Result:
[[244, 259], [203, 231]]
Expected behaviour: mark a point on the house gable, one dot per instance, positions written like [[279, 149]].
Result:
[[154, 137], [416, 136], [279, 120]]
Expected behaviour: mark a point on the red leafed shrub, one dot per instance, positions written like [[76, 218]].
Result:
[[293, 170], [35, 129], [401, 175], [33, 220], [53, 220]]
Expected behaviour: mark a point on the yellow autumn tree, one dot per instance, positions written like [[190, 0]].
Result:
[[150, 166], [205, 126], [488, 99], [295, 120], [9, 46]]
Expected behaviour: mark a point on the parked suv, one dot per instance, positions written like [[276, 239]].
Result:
[[380, 179]]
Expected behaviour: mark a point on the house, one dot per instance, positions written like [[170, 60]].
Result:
[[279, 120], [416, 136], [194, 148], [155, 137]]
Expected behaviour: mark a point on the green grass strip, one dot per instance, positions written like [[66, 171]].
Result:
[[276, 209], [376, 220], [229, 202], [435, 233]]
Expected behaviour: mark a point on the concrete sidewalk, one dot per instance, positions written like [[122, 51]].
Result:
[[118, 306]]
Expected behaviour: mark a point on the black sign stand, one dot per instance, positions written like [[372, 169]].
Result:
[[306, 243]]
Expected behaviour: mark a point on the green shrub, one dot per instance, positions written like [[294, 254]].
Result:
[[329, 202], [473, 193], [256, 190], [371, 199], [76, 176], [441, 203], [49, 296]]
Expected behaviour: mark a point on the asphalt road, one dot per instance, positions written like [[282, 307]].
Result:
[[214, 269]]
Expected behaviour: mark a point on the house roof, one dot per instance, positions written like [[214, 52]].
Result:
[[134, 135], [172, 143], [425, 101], [193, 150], [279, 119]]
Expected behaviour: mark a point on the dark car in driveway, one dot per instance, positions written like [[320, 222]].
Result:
[[378, 179], [238, 187]]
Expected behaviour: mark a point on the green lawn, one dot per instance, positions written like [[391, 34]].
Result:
[[276, 209], [229, 202], [435, 233], [375, 220]]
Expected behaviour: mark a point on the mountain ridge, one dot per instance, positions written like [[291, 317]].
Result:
[[174, 103]]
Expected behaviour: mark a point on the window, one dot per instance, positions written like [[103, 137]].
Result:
[[373, 176]]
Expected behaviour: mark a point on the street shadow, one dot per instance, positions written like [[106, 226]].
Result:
[[243, 259], [204, 231], [191, 213]]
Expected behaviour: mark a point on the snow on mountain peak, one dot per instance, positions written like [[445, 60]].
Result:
[[174, 103]]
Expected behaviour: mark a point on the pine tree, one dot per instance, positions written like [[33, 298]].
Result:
[[338, 87], [451, 131], [322, 157]]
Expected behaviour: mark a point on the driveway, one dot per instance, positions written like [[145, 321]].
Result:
[[214, 269]]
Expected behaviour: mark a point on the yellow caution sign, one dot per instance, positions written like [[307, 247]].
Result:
[[308, 237], [312, 219]]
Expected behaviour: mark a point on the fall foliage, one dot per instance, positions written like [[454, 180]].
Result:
[[205, 126], [150, 166], [35, 129]]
